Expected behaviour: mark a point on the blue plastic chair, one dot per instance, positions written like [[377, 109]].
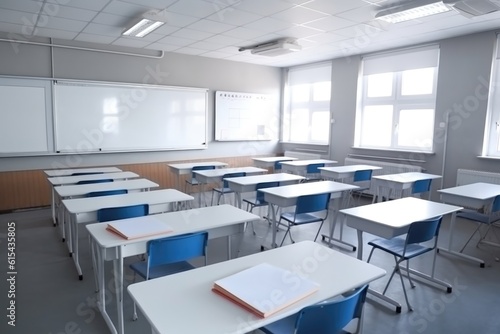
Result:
[[94, 181], [313, 173], [482, 219], [259, 201], [122, 212], [329, 317], [362, 179], [107, 193], [404, 249], [306, 212], [225, 188], [193, 182], [277, 165], [170, 255], [421, 186]]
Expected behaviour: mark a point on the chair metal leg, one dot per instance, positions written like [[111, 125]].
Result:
[[404, 287], [284, 237], [408, 273], [319, 230], [470, 238]]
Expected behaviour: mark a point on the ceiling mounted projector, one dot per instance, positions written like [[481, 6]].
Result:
[[274, 48]]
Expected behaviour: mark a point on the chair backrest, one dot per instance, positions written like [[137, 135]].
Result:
[[107, 193], [277, 164], [94, 181], [85, 173], [228, 175], [262, 185], [496, 204], [362, 175], [175, 249], [423, 230], [314, 168], [312, 203], [330, 317], [421, 186], [201, 168], [122, 212]]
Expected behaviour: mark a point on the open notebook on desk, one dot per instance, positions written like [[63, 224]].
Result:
[[264, 289], [138, 227]]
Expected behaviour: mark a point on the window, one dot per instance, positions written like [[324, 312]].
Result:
[[491, 143], [397, 97], [307, 111]]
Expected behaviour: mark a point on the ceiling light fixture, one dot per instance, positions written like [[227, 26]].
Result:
[[145, 24], [412, 10]]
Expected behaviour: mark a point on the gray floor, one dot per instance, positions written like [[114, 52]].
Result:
[[50, 299]]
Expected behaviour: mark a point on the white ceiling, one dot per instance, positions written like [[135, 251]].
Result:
[[326, 29]]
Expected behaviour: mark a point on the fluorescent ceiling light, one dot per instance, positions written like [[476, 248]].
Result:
[[146, 24], [412, 10]]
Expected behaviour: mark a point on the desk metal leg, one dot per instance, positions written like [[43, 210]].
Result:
[[101, 303], [333, 222], [118, 271], [274, 226], [450, 247], [75, 248], [54, 220]]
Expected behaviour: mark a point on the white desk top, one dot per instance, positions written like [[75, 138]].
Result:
[[92, 204], [254, 179], [304, 163], [217, 173], [199, 310], [478, 190], [409, 177], [83, 189], [349, 168], [68, 172], [391, 218], [181, 222], [272, 159], [59, 181], [310, 188], [187, 166]]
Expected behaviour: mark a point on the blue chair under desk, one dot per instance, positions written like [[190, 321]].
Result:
[[193, 182], [221, 191], [259, 201]]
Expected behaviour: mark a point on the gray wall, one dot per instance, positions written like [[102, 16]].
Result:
[[172, 70], [464, 67]]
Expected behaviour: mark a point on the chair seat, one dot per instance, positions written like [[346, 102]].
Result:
[[480, 217], [255, 202], [395, 246], [301, 218], [193, 182], [160, 271]]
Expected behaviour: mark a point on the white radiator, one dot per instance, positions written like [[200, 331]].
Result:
[[387, 168], [302, 155], [467, 176]]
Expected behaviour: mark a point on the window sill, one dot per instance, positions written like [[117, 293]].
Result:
[[392, 150], [489, 157]]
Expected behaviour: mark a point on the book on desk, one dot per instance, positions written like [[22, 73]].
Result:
[[264, 289], [138, 227]]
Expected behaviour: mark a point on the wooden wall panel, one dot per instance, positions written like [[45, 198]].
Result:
[[30, 189]]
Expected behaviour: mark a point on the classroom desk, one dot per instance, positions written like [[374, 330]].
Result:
[[398, 182], [393, 218], [476, 196], [248, 183], [64, 192], [342, 173], [186, 168], [67, 180], [219, 221], [70, 171], [300, 166], [196, 309], [215, 175], [268, 162], [84, 210], [286, 196]]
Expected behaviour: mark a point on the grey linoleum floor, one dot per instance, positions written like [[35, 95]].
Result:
[[51, 300]]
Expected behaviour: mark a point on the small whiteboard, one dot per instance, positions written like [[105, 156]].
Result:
[[242, 116]]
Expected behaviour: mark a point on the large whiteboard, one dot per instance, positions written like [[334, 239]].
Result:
[[243, 116], [24, 116], [106, 117]]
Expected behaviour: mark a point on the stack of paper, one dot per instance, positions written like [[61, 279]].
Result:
[[138, 227], [265, 289]]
